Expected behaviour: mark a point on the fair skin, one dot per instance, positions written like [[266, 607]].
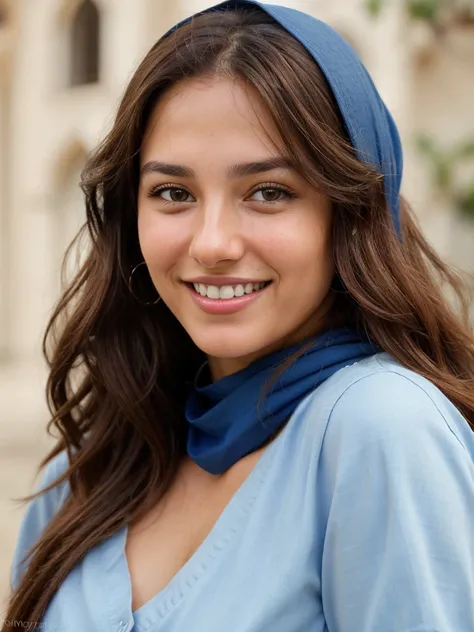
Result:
[[212, 221]]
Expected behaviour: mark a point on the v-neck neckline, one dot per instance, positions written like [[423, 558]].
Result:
[[227, 526]]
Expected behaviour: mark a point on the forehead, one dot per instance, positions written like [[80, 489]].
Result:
[[203, 112]]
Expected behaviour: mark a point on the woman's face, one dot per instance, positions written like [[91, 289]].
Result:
[[216, 200]]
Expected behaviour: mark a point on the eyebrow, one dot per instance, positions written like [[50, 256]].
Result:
[[235, 171]]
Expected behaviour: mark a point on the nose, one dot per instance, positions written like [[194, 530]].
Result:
[[217, 235]]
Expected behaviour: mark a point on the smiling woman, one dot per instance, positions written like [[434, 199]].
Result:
[[281, 438], [238, 208]]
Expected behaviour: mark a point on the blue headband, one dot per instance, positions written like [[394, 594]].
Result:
[[371, 128]]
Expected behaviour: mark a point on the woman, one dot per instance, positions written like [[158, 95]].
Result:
[[265, 401]]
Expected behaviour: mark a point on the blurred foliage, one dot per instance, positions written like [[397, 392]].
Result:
[[425, 9], [443, 164], [466, 202], [440, 14], [374, 7]]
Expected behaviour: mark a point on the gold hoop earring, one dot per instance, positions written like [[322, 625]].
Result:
[[137, 298], [199, 373]]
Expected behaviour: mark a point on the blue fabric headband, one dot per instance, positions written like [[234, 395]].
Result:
[[371, 128]]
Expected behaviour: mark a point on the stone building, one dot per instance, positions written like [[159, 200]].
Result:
[[63, 67]]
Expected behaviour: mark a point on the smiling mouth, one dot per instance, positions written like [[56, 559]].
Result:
[[226, 292]]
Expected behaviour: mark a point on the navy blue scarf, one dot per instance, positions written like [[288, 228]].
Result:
[[224, 421]]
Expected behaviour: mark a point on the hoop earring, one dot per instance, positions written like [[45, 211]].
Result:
[[130, 280], [199, 372]]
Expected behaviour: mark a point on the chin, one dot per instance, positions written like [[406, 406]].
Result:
[[225, 347]]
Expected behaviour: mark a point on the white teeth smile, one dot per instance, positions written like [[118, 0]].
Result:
[[227, 291]]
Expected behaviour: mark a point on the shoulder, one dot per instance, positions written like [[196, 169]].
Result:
[[39, 512], [394, 483], [380, 402]]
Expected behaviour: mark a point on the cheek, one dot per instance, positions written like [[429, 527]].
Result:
[[147, 235], [160, 238], [303, 254]]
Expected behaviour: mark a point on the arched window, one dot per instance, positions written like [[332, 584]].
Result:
[[85, 44]]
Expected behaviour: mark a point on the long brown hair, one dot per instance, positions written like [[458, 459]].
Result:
[[120, 371]]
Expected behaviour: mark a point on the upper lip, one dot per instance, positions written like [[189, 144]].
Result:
[[223, 280]]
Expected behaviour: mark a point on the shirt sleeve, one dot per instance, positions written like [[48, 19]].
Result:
[[398, 552], [37, 515]]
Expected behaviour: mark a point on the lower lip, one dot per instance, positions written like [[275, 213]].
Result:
[[224, 305]]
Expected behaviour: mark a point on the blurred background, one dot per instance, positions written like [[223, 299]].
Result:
[[63, 67]]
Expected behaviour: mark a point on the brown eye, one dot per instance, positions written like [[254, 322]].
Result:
[[271, 195], [171, 194], [177, 195]]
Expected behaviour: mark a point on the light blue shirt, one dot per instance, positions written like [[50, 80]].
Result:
[[357, 518]]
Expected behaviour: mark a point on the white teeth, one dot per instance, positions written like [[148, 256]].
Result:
[[213, 291], [227, 291], [200, 289]]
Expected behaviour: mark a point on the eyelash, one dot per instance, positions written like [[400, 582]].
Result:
[[155, 191]]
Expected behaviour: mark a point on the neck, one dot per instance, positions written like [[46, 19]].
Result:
[[314, 325]]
